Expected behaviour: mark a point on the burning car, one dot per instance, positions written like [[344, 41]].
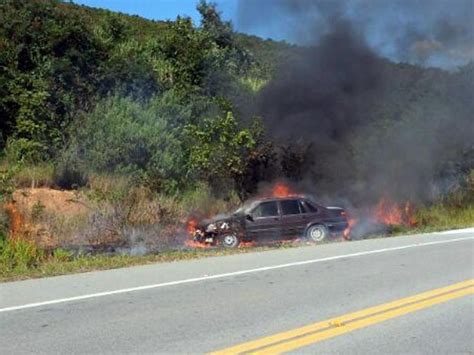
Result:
[[272, 219]]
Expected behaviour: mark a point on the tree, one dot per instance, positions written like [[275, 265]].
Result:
[[217, 149], [220, 31]]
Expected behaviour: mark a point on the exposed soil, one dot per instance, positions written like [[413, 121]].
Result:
[[30, 207]]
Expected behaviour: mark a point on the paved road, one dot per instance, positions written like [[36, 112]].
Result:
[[216, 303]]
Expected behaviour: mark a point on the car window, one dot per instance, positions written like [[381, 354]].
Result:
[[307, 207], [266, 209], [246, 207], [290, 207]]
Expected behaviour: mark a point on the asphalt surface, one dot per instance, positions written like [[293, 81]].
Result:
[[211, 304]]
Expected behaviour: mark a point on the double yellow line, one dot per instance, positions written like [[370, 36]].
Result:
[[313, 333]]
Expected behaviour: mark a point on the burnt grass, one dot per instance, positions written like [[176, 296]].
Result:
[[78, 259]]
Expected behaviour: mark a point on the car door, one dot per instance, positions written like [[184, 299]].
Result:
[[292, 218], [265, 224], [310, 213]]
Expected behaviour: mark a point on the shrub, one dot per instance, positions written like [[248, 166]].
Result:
[[19, 255], [39, 175], [7, 184], [107, 187], [37, 211], [62, 255], [123, 136], [4, 224], [446, 216], [218, 148], [68, 174], [202, 200]]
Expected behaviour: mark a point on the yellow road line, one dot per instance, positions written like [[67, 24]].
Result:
[[312, 333], [335, 331]]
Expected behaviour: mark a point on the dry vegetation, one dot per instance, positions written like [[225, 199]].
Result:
[[115, 129]]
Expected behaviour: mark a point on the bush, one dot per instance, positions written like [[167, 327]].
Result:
[[444, 216], [7, 184], [40, 175], [68, 174], [19, 255], [4, 224], [218, 148], [200, 199], [123, 136], [62, 255], [107, 187]]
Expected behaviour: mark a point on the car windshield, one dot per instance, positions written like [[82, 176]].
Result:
[[245, 207]]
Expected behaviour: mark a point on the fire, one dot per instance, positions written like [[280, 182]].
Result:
[[281, 190], [351, 223], [409, 213], [191, 226], [193, 244], [15, 217], [393, 214], [385, 212], [246, 244]]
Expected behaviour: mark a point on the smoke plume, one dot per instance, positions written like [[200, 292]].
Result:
[[433, 33], [369, 127]]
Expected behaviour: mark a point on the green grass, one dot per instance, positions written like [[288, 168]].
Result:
[[444, 217], [32, 265], [39, 175], [22, 260], [437, 218]]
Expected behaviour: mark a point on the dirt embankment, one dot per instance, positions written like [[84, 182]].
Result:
[[33, 210]]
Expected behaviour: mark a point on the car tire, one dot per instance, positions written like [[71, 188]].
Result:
[[231, 240], [317, 233]]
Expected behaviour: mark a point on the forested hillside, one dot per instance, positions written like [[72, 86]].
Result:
[[169, 104], [149, 122], [70, 74]]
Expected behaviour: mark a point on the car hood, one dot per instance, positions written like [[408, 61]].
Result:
[[216, 219]]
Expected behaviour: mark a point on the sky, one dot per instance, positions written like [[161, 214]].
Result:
[[169, 9], [162, 9], [437, 33]]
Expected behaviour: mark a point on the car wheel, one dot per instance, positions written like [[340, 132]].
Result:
[[230, 241], [317, 233]]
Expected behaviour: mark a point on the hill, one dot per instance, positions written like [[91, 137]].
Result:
[[150, 123]]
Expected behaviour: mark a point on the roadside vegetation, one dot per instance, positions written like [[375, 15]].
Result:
[[141, 124], [22, 260]]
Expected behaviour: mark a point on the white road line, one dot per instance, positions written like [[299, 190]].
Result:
[[458, 231], [228, 274]]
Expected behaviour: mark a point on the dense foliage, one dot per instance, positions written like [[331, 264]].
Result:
[[92, 90], [168, 103]]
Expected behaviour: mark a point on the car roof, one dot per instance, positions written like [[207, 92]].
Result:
[[294, 197]]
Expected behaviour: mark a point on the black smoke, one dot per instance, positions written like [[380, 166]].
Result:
[[436, 33], [365, 125]]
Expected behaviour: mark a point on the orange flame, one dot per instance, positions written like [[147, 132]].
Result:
[[347, 232], [191, 226], [16, 219], [388, 213], [193, 244], [246, 244], [392, 214], [409, 213], [281, 190]]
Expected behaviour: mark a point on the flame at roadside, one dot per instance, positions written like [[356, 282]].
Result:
[[393, 214], [191, 226], [347, 232], [379, 218]]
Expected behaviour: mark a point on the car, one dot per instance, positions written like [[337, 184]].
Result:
[[273, 219]]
